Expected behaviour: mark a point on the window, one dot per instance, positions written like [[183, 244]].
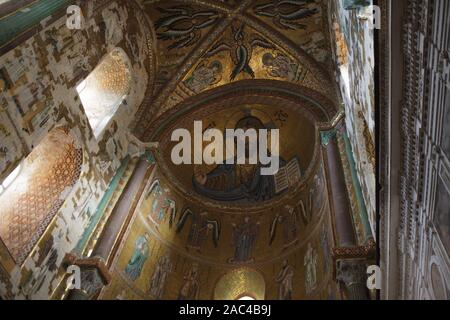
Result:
[[35, 191], [240, 284], [104, 90], [10, 179], [246, 298]]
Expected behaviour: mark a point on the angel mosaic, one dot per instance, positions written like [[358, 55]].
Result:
[[201, 227], [289, 222], [183, 25], [287, 14], [240, 46]]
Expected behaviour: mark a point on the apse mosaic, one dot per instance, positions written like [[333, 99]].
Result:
[[244, 182], [212, 255]]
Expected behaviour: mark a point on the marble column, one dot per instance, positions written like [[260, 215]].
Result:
[[338, 190]]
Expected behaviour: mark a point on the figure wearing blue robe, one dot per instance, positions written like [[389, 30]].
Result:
[[257, 188], [137, 260]]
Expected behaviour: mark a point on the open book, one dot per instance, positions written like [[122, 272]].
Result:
[[287, 176]]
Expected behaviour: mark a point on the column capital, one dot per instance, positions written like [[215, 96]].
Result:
[[351, 271], [94, 276]]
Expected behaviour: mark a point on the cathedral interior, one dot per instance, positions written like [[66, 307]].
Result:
[[93, 206]]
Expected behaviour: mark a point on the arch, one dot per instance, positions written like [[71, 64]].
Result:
[[105, 88], [240, 283], [30, 202], [271, 92]]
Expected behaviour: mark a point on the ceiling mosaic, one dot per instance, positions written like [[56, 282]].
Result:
[[203, 45]]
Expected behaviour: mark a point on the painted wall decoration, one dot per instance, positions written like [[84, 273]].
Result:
[[179, 28], [243, 183], [11, 148], [238, 181]]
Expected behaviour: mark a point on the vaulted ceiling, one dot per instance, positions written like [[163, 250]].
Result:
[[203, 45]]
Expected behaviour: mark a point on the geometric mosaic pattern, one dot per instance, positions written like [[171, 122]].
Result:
[[34, 198]]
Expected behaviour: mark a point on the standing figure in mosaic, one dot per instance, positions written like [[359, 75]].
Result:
[[244, 239], [284, 280], [200, 229], [140, 255], [310, 263], [159, 278], [191, 286]]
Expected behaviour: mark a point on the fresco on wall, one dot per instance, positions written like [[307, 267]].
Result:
[[243, 53], [239, 44], [183, 25], [179, 28], [204, 76]]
